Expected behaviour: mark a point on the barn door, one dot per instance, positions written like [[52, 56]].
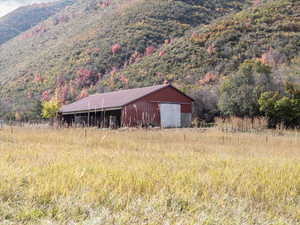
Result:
[[170, 115]]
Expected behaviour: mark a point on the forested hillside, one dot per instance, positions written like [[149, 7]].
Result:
[[205, 58], [271, 30], [92, 39], [26, 17], [97, 45]]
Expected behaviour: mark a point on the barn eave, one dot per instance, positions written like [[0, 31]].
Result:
[[91, 110]]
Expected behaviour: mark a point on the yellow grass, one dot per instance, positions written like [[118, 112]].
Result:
[[182, 177]]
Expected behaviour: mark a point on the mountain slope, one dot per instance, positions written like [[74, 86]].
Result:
[[268, 32], [94, 39], [26, 17]]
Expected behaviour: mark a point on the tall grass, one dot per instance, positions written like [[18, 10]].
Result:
[[67, 176], [237, 124]]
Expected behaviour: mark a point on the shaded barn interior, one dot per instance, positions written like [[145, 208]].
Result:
[[99, 119]]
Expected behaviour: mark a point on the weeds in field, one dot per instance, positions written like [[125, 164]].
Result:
[[236, 124], [165, 177]]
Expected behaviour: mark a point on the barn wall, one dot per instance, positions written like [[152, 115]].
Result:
[[141, 113], [146, 111], [170, 94]]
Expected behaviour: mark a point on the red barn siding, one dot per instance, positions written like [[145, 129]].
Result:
[[186, 108], [146, 110], [140, 113]]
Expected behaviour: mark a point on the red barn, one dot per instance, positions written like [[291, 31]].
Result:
[[161, 105]]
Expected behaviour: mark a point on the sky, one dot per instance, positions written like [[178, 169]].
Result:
[[7, 6]]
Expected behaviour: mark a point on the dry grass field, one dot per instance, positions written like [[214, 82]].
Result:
[[182, 177]]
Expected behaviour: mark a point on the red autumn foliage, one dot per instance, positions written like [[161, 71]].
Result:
[[256, 2], [219, 10], [168, 41], [159, 74], [105, 4], [162, 53], [116, 48], [62, 93], [46, 96], [73, 91], [209, 78], [124, 79], [272, 58], [83, 94], [60, 81], [135, 57], [114, 71], [38, 78], [93, 50], [97, 50], [150, 50], [86, 77], [65, 93], [36, 31], [211, 49], [40, 5], [248, 25], [29, 94], [40, 29]]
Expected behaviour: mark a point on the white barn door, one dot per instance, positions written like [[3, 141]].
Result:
[[170, 115]]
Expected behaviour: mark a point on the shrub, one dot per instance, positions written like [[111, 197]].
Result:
[[282, 109], [50, 109]]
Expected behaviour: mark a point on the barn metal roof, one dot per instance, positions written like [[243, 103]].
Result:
[[109, 100]]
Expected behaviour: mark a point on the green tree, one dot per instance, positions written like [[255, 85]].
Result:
[[282, 108], [267, 106], [36, 110], [240, 92]]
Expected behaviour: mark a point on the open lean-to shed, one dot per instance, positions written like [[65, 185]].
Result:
[[161, 105]]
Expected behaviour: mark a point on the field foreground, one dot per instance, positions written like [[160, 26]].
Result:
[[182, 177]]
